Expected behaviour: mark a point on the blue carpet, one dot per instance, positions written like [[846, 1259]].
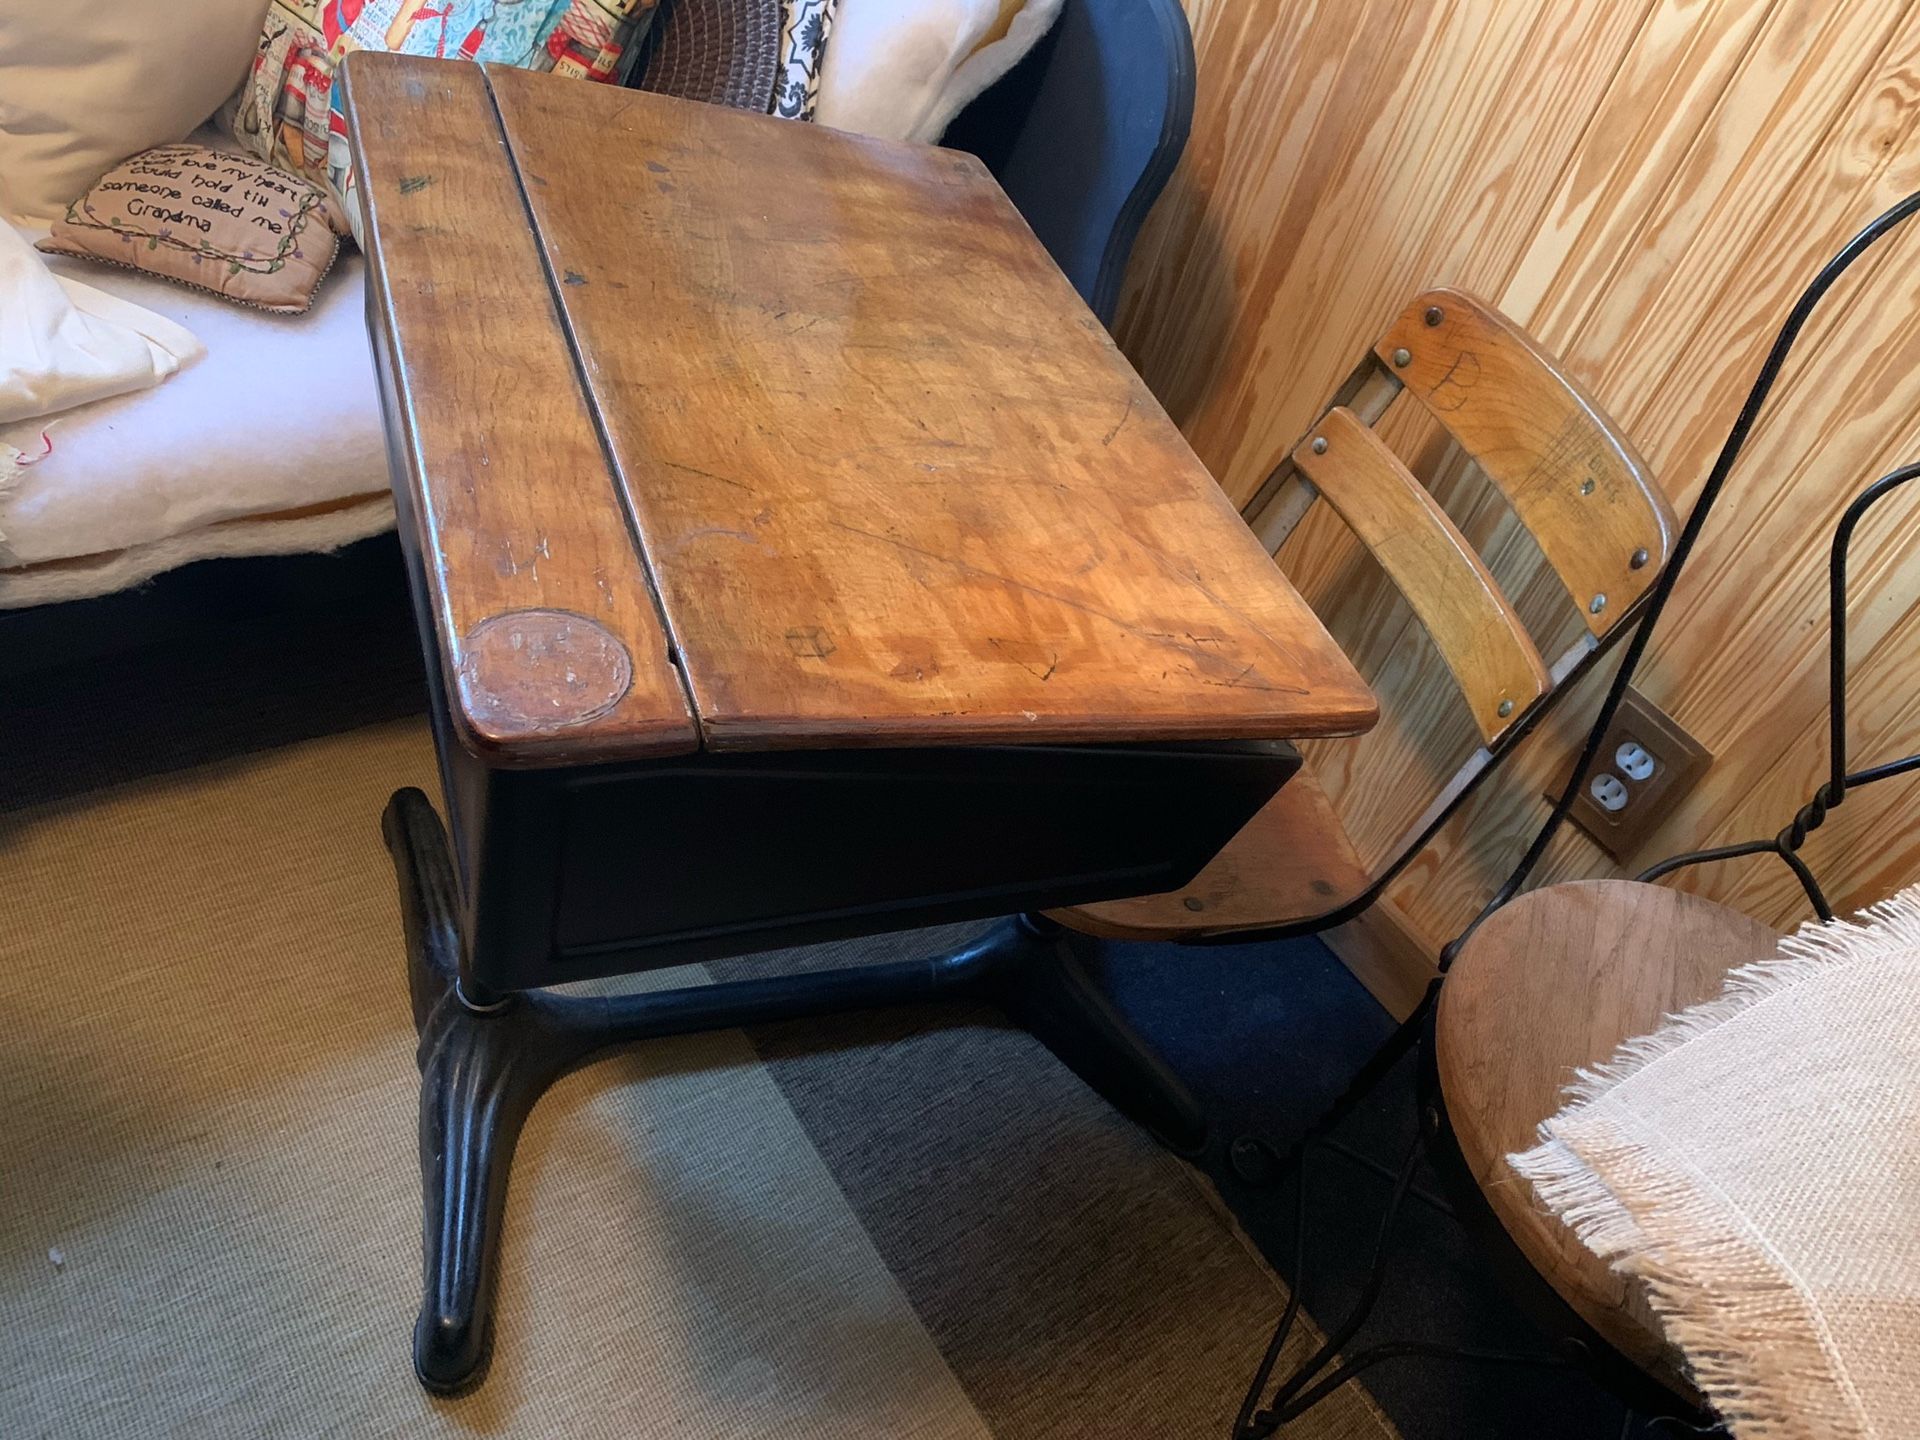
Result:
[[1268, 1035]]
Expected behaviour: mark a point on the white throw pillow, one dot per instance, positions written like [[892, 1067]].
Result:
[[84, 85], [902, 69]]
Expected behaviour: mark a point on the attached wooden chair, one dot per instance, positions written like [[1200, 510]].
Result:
[[1571, 479]]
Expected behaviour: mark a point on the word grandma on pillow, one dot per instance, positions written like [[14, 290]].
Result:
[[188, 187]]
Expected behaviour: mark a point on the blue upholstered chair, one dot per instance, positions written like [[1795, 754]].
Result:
[[1084, 132]]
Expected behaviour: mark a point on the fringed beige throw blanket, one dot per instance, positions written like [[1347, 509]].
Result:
[[1756, 1163]]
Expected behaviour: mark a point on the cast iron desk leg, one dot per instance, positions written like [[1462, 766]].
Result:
[[481, 1070]]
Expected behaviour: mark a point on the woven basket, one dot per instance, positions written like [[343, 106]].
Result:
[[722, 52]]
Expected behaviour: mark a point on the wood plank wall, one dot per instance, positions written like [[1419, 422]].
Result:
[[1645, 185]]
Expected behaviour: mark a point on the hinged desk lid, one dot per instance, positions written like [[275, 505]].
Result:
[[891, 482]]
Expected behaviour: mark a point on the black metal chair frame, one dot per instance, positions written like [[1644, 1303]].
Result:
[[1264, 1414]]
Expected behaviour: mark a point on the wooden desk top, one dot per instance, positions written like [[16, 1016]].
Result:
[[730, 431]]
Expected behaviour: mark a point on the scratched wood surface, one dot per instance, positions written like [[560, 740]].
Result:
[[550, 638], [894, 482], [805, 428], [1644, 185]]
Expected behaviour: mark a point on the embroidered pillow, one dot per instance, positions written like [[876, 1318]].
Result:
[[218, 222], [286, 110]]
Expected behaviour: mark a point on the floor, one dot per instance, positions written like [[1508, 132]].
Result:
[[916, 1226], [1267, 1034]]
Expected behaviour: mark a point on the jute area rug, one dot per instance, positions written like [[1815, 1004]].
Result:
[[209, 1215]]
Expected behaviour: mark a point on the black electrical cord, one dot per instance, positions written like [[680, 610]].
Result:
[[1689, 535]]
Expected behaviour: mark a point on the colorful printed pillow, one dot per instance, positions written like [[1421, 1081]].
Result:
[[286, 111], [223, 223]]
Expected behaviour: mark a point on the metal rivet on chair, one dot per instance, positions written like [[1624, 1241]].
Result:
[[1402, 357], [1506, 709], [1586, 486], [1319, 444], [1639, 559], [1597, 604], [1435, 314], [1194, 902]]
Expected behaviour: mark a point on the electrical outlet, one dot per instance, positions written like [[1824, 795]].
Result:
[[1645, 765], [1632, 760]]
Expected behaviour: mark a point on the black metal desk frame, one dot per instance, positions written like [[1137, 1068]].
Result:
[[545, 881]]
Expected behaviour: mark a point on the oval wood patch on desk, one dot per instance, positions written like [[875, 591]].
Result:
[[890, 478]]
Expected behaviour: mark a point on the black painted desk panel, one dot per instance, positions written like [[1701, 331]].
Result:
[[595, 871]]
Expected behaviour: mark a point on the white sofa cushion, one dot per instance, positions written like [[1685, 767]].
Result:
[[280, 415], [89, 83]]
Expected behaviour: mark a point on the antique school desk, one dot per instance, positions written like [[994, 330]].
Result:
[[795, 557]]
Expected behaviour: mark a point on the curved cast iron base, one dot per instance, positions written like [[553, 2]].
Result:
[[481, 1070]]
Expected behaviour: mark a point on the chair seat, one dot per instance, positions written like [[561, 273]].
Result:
[[1292, 861], [1554, 981]]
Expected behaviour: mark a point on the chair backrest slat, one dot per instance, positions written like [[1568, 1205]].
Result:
[[1473, 625], [1278, 505], [1571, 477]]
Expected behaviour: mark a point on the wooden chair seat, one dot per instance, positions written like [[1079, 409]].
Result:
[[1292, 861], [1556, 980]]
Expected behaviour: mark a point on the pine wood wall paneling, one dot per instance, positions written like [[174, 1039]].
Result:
[[1681, 61], [1741, 632], [1251, 176], [1741, 216], [1845, 176], [1865, 850], [1470, 208], [1842, 415], [1850, 852], [1645, 184]]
